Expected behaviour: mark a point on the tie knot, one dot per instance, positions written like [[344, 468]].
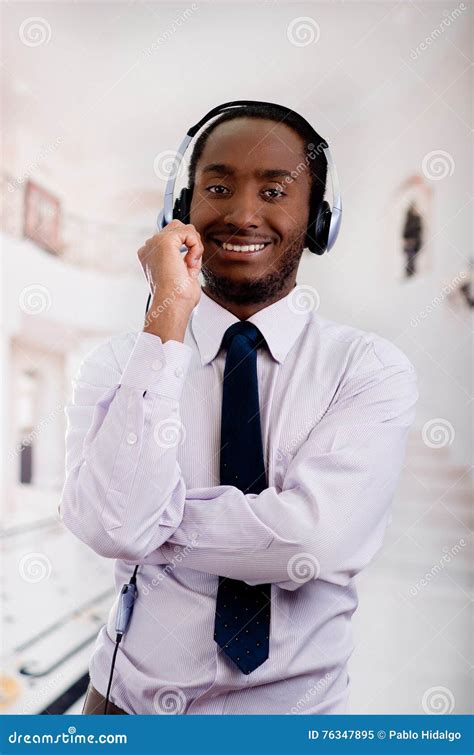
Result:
[[246, 329]]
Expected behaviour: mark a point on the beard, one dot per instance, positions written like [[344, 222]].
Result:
[[265, 288]]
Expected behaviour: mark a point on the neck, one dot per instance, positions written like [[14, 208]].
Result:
[[244, 311]]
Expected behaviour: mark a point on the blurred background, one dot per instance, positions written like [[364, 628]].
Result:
[[96, 97]]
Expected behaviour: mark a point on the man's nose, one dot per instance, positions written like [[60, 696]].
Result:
[[243, 210]]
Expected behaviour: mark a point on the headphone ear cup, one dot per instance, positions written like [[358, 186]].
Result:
[[318, 231], [182, 205]]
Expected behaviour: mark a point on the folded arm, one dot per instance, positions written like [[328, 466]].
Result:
[[130, 501], [329, 518]]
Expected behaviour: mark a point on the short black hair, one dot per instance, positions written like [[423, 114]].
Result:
[[313, 154]]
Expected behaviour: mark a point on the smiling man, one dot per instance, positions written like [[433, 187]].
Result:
[[240, 454], [272, 208]]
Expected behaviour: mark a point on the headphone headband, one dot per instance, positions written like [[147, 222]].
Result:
[[239, 103], [328, 221]]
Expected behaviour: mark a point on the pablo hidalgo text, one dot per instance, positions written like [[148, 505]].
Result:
[[449, 736]]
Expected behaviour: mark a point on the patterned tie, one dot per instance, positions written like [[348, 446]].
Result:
[[242, 624]]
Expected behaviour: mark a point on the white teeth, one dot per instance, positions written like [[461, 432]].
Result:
[[249, 248]]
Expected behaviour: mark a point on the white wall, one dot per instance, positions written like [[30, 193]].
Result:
[[119, 93], [53, 314]]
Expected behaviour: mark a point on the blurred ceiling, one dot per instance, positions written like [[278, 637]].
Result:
[[115, 84]]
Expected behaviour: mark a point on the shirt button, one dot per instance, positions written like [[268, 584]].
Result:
[[131, 438], [157, 365], [179, 372]]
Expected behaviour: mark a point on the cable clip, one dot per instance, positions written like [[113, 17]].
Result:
[[125, 607]]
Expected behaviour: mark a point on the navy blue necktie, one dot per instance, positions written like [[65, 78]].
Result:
[[242, 623]]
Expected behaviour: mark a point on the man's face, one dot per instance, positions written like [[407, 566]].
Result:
[[242, 197]]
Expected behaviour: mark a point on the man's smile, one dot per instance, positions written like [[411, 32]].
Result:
[[233, 247]]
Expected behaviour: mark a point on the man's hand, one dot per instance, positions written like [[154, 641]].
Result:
[[173, 278], [168, 271]]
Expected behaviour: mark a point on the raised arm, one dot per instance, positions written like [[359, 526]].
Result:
[[120, 479], [123, 492]]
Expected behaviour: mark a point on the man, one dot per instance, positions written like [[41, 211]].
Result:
[[412, 238], [241, 449]]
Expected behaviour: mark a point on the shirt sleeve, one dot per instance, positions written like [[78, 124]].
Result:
[[123, 425], [329, 518]]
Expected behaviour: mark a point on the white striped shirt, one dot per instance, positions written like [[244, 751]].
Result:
[[142, 486]]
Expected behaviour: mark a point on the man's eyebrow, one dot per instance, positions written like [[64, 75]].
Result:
[[228, 170]]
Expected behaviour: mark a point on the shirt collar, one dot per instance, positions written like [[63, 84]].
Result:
[[280, 323]]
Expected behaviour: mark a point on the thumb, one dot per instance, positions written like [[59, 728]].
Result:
[[196, 261]]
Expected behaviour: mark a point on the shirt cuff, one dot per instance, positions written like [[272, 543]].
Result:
[[156, 366]]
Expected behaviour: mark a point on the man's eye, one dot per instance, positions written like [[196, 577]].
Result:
[[216, 186], [279, 193]]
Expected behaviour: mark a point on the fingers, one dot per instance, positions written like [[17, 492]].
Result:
[[190, 237], [194, 256], [181, 233]]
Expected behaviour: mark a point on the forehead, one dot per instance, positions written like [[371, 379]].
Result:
[[251, 143]]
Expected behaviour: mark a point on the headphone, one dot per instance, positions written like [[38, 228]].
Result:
[[323, 225]]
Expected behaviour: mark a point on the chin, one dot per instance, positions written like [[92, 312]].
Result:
[[243, 289]]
